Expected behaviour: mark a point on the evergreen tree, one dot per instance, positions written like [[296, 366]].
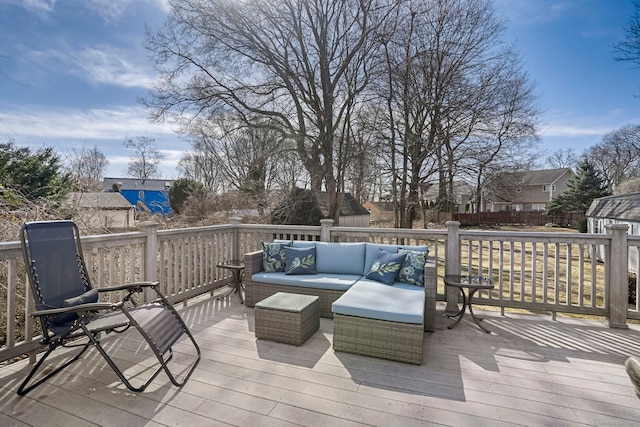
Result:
[[31, 175], [181, 190], [582, 189]]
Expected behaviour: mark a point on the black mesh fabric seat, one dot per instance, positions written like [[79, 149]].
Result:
[[72, 315]]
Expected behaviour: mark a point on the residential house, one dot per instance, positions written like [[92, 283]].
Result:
[[525, 190], [145, 194], [462, 195], [102, 210]]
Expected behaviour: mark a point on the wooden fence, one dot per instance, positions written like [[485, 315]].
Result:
[[534, 218]]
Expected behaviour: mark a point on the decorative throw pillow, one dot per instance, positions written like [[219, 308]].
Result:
[[273, 257], [385, 267], [412, 270], [300, 260]]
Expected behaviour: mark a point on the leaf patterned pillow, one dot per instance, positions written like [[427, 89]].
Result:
[[300, 260], [385, 267], [412, 270], [273, 256]]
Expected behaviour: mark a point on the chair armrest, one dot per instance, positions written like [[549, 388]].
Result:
[[80, 308], [253, 263], [134, 286], [430, 289]]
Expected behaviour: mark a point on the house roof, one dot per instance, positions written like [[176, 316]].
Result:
[[350, 205], [99, 201], [460, 188], [623, 206], [381, 206], [543, 176], [138, 184]]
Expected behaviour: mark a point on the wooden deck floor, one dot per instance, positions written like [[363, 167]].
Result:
[[531, 371]]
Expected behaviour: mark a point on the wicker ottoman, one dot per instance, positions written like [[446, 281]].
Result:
[[287, 318]]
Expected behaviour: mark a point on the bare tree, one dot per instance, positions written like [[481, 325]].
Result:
[[456, 97], [563, 159], [146, 158], [239, 157], [629, 48], [617, 157], [630, 186], [301, 64], [88, 166]]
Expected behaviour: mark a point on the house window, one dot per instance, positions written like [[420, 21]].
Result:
[[546, 188], [140, 194], [538, 206]]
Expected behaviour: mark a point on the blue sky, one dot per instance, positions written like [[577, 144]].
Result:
[[71, 72]]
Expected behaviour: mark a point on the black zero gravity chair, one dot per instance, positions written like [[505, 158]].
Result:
[[72, 315]]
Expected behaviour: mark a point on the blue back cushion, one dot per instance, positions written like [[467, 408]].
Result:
[[341, 258], [303, 244]]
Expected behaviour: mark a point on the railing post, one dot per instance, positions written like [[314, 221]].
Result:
[[325, 230], [452, 263], [235, 238], [618, 280], [150, 270]]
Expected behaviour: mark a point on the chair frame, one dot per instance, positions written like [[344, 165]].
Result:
[[119, 317]]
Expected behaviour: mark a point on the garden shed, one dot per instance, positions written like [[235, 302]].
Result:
[[618, 209], [352, 213], [102, 210]]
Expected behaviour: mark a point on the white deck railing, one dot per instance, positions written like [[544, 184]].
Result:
[[548, 272]]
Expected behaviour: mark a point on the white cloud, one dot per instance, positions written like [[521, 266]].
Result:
[[36, 5], [573, 131], [109, 65], [100, 64], [528, 12], [108, 10], [69, 123]]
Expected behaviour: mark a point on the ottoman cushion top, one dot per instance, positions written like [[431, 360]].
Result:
[[285, 301]]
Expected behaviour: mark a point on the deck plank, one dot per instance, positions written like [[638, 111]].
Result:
[[530, 371]]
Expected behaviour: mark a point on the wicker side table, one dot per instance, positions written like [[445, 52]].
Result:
[[287, 318]]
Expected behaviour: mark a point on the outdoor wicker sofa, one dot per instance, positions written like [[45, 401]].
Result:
[[385, 320]]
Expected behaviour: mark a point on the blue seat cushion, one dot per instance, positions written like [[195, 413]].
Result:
[[340, 258], [400, 302], [338, 282]]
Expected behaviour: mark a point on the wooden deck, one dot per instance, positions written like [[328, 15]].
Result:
[[531, 371]]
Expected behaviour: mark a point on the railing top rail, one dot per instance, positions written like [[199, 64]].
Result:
[[533, 236], [195, 230], [10, 250], [291, 229], [405, 232]]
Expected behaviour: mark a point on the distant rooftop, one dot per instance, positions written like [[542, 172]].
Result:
[[138, 184]]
